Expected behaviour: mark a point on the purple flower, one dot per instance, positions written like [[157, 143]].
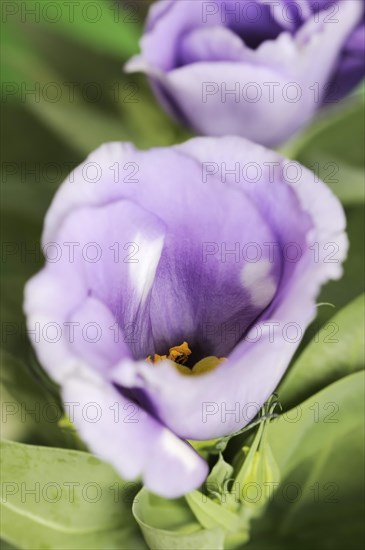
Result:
[[253, 68], [218, 243]]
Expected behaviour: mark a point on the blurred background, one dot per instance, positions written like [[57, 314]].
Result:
[[63, 94]]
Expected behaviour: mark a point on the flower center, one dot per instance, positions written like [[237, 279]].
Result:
[[179, 355]]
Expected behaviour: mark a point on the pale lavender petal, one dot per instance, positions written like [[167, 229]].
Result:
[[211, 44], [124, 435], [253, 69], [107, 280]]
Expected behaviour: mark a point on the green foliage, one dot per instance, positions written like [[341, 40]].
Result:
[[319, 503], [313, 463], [336, 351], [31, 404], [334, 149], [170, 524], [55, 498]]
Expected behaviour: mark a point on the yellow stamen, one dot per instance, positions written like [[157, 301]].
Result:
[[179, 355], [155, 359]]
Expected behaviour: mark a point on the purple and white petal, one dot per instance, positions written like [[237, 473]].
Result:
[[253, 69], [120, 432], [213, 224]]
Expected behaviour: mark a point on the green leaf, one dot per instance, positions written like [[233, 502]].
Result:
[[58, 101], [351, 285], [5, 546], [82, 95], [79, 123], [221, 473], [336, 351], [170, 524], [105, 26], [222, 503], [333, 147], [318, 446], [210, 446], [54, 498], [211, 514], [30, 403]]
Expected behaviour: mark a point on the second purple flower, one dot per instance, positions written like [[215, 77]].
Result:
[[253, 68]]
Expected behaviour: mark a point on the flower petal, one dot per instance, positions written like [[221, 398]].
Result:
[[96, 296], [266, 92], [123, 434], [211, 44], [199, 269], [226, 399]]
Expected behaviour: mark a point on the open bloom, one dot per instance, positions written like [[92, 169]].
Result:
[[253, 68], [177, 286]]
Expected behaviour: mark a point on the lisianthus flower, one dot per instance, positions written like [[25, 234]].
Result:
[[171, 279], [253, 68]]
